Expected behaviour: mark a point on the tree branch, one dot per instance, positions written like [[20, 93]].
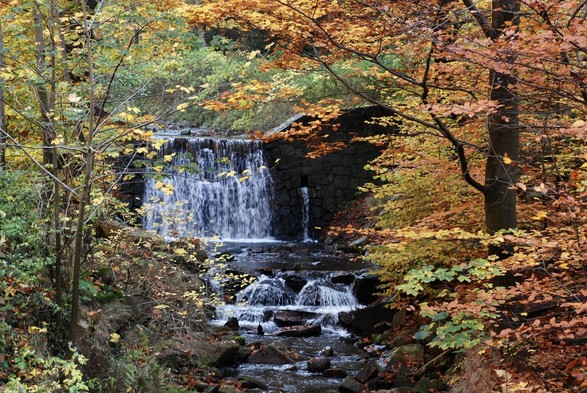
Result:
[[483, 22]]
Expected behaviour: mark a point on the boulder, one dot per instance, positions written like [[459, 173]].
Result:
[[252, 383], [295, 282], [346, 279], [350, 385], [401, 339], [285, 318], [406, 354], [232, 323], [196, 353], [362, 321], [275, 353], [335, 373], [300, 331], [326, 352], [318, 365], [365, 288], [368, 371]]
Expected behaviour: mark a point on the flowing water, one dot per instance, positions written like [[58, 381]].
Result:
[[303, 280], [305, 193], [221, 188]]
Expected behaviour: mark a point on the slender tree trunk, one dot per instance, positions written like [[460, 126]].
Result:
[[2, 106], [504, 134], [85, 190], [62, 44], [201, 32], [42, 94]]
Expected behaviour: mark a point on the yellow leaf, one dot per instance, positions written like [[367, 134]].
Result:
[[114, 337], [73, 98], [253, 54], [540, 215], [578, 123], [169, 157], [506, 159]]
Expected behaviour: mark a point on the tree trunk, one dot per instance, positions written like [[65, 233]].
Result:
[[74, 331], [504, 133], [2, 106], [42, 94]]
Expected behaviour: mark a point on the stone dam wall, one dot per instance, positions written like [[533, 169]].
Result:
[[332, 180]]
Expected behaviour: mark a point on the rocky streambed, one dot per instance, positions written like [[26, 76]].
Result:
[[299, 318]]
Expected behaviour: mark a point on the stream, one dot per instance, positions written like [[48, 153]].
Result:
[[304, 278], [226, 194]]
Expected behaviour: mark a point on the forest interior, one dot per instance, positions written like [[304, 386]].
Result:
[[474, 218]]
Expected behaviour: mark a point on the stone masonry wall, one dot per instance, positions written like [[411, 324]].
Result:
[[332, 180]]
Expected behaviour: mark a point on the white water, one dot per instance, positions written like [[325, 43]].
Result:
[[228, 196], [271, 294], [304, 191]]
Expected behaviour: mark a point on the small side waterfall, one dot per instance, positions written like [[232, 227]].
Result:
[[226, 192], [305, 193]]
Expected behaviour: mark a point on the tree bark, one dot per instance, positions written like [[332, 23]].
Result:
[[74, 332], [504, 132], [2, 106], [42, 94]]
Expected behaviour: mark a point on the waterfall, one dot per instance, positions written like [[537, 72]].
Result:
[[319, 301], [221, 187], [305, 192]]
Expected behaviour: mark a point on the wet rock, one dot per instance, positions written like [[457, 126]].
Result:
[[406, 354], [335, 373], [300, 331], [365, 288], [295, 282], [318, 365], [368, 371], [346, 279], [361, 321], [275, 353], [252, 383], [326, 352], [266, 271], [232, 323], [350, 385], [285, 318], [196, 353]]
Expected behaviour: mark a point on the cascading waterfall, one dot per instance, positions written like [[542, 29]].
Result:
[[227, 194], [319, 297], [305, 192]]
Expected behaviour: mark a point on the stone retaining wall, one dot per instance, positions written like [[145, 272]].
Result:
[[332, 180]]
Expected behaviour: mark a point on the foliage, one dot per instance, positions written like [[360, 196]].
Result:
[[20, 222]]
